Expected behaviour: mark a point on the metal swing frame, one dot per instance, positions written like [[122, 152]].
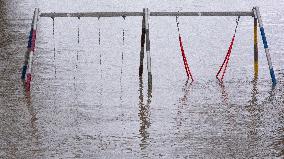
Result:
[[145, 39]]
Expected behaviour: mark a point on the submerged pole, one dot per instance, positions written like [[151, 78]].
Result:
[[31, 48], [147, 15], [265, 45], [255, 44], [142, 44]]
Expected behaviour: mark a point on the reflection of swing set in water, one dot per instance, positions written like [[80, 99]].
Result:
[[145, 39]]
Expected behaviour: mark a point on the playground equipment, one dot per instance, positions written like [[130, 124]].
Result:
[[145, 39]]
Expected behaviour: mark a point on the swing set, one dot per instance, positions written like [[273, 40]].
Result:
[[145, 39]]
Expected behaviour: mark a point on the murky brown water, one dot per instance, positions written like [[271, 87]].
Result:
[[87, 101]]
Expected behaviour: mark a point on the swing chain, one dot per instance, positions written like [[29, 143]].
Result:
[[238, 19], [177, 21], [237, 22], [227, 58], [187, 70]]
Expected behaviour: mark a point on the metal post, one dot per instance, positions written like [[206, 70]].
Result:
[[29, 49], [25, 66], [265, 46], [148, 46], [142, 43], [32, 48], [255, 45]]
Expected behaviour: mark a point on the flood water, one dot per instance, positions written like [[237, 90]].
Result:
[[87, 101]]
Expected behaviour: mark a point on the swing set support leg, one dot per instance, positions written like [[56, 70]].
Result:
[[147, 15], [255, 45], [27, 68], [145, 40], [142, 45], [261, 28]]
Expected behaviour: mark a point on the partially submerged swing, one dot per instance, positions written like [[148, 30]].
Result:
[[186, 67], [227, 57], [225, 62]]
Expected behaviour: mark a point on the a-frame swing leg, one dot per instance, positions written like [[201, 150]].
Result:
[[265, 45], [27, 68], [255, 45], [142, 45], [147, 15], [145, 40]]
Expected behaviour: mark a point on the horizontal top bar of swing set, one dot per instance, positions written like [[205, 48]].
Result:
[[125, 14]]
